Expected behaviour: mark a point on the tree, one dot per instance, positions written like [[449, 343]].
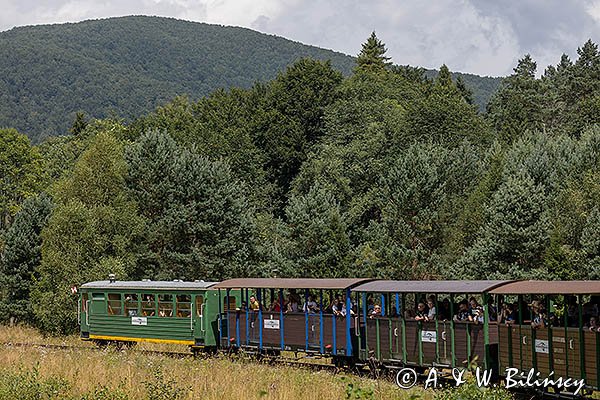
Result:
[[512, 242], [518, 105], [21, 258], [94, 230], [79, 124], [318, 240], [198, 216], [371, 58], [21, 174]]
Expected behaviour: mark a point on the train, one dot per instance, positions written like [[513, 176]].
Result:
[[549, 327]]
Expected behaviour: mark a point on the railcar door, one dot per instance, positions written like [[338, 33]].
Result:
[[199, 322], [83, 305]]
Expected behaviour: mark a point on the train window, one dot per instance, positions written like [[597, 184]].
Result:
[[183, 305], [84, 300], [165, 305], [131, 305], [114, 304], [97, 296], [199, 301], [148, 305], [231, 306]]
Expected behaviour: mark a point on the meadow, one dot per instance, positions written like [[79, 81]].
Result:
[[84, 372]]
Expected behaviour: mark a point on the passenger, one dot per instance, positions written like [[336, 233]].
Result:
[[275, 306], [432, 312], [592, 325], [463, 312], [590, 309], [476, 311], [445, 313], [338, 306], [492, 311], [421, 314], [370, 304], [376, 312], [508, 315], [292, 304], [254, 304], [311, 305], [573, 312], [539, 318]]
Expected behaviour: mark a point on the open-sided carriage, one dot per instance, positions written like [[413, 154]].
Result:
[[318, 330]]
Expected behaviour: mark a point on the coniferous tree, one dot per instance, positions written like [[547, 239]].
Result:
[[21, 258], [199, 218], [372, 58]]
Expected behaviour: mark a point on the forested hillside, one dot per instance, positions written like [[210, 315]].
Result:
[[383, 173], [123, 67]]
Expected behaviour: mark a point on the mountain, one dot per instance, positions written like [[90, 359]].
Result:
[[127, 66]]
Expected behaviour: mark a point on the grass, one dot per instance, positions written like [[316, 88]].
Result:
[[79, 373]]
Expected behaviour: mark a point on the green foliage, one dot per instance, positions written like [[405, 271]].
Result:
[[21, 258], [196, 211], [512, 241], [371, 58], [470, 391], [21, 173], [28, 385], [163, 388], [94, 230], [317, 234]]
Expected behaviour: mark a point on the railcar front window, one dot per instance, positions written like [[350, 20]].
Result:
[[148, 305], [114, 304], [165, 305], [199, 301], [183, 305], [131, 305]]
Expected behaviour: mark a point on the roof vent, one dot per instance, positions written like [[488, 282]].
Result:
[[111, 278]]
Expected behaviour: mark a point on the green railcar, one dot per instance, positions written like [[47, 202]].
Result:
[[177, 312]]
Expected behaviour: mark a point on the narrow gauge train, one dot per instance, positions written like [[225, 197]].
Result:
[[361, 321]]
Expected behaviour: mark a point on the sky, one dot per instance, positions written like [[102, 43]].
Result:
[[485, 37]]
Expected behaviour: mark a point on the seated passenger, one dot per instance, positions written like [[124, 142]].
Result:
[[432, 312], [338, 305], [310, 306], [444, 314], [463, 313], [539, 318], [254, 304], [492, 311], [573, 312], [292, 304], [476, 311], [376, 312], [508, 315], [592, 324], [421, 314], [275, 306]]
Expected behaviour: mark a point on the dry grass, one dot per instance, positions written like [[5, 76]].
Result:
[[134, 374]]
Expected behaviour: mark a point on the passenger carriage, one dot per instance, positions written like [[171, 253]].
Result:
[[152, 311], [394, 338], [263, 330], [564, 345]]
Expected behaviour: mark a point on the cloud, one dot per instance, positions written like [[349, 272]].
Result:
[[486, 37]]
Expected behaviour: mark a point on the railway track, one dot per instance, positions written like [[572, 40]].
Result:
[[283, 361]]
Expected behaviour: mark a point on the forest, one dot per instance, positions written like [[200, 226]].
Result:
[[382, 173], [125, 67]]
